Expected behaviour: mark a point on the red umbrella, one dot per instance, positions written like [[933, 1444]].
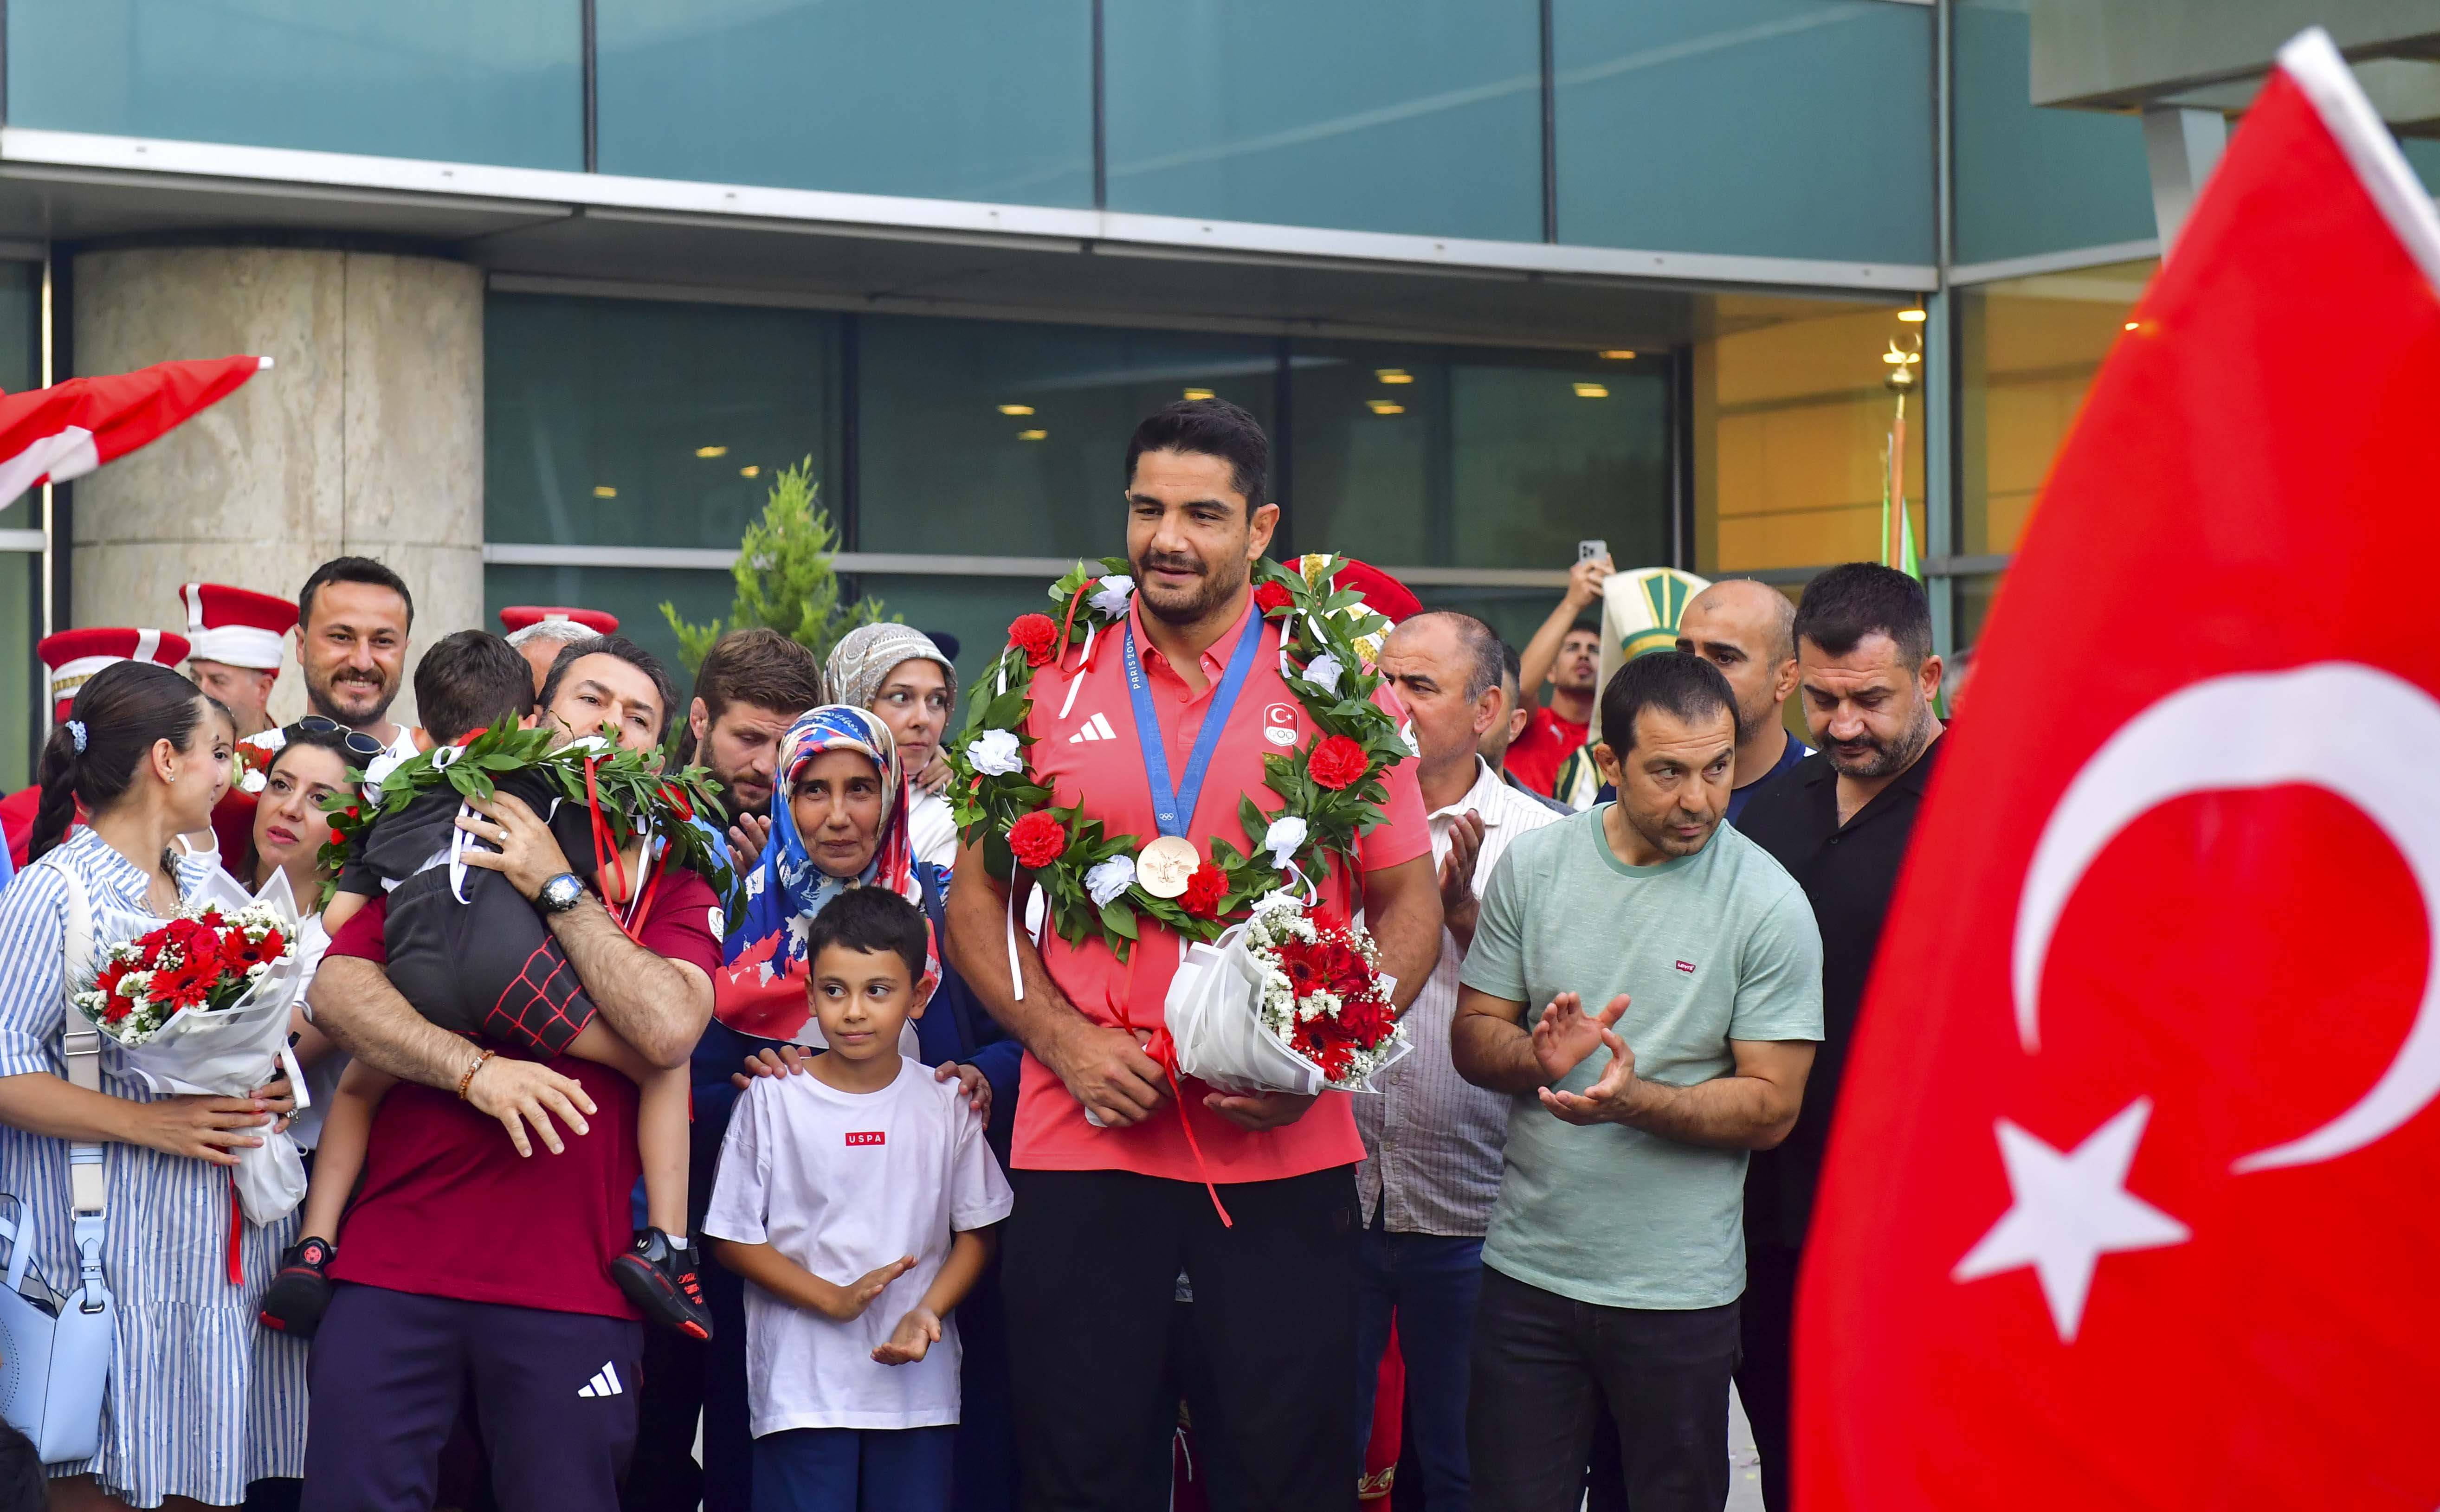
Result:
[[69, 429]]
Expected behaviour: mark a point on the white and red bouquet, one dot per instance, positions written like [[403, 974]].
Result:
[[199, 1004], [206, 959], [1293, 1000]]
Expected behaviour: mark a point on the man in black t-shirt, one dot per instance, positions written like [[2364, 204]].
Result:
[[1840, 822]]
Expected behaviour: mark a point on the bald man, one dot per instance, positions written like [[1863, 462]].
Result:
[[1748, 629]]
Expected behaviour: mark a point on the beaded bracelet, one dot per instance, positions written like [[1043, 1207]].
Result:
[[468, 1080]]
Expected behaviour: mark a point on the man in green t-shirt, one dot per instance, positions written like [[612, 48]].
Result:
[[1617, 1249]]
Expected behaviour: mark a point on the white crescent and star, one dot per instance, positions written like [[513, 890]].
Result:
[[2363, 733]]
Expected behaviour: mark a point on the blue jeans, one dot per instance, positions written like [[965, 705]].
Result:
[[1430, 1281], [854, 1470]]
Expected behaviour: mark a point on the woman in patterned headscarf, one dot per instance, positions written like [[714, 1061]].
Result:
[[838, 820], [900, 674]]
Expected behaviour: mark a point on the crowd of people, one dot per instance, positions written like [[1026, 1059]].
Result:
[[857, 1190]]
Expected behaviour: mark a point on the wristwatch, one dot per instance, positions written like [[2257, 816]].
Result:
[[560, 894]]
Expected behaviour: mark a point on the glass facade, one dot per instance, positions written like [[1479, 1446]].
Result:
[[460, 80], [2027, 352], [1792, 427], [935, 98], [2032, 180], [1417, 116], [1452, 456], [1009, 438], [617, 422], [1778, 128], [23, 685]]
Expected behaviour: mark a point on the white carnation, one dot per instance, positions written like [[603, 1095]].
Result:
[[1110, 879], [1113, 596], [1283, 839], [1323, 672], [996, 752]]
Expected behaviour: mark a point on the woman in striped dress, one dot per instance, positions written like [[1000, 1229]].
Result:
[[201, 1400]]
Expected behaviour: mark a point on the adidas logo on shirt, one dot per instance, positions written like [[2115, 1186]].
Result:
[[1096, 728], [604, 1382]]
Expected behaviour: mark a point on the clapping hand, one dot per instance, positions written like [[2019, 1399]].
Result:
[[1612, 1100], [1566, 1034], [746, 839], [916, 1333], [1460, 906]]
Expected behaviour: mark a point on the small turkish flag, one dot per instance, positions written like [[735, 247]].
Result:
[[69, 429], [2129, 1199]]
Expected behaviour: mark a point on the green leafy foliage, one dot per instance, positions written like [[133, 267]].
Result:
[[785, 579], [632, 795]]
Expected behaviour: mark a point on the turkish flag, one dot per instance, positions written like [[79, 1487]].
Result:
[[2130, 1198], [68, 430]]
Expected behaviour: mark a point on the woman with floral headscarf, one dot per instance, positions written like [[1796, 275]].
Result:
[[838, 820]]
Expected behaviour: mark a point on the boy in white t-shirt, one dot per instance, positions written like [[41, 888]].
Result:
[[868, 1170]]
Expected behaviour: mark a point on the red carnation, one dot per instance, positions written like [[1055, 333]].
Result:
[[1274, 599], [1037, 839], [1034, 634], [1204, 891], [1336, 763]]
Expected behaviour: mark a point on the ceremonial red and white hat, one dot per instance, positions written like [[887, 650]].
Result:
[[74, 655], [236, 625], [526, 616]]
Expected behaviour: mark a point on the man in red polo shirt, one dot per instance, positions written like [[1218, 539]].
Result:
[[466, 1260], [1110, 1211]]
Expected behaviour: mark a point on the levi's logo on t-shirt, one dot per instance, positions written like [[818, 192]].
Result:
[[1687, 967], [869, 1137]]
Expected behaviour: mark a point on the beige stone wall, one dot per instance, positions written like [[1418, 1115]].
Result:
[[367, 437]]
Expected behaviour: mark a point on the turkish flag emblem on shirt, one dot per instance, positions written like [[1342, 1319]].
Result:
[[2129, 1203]]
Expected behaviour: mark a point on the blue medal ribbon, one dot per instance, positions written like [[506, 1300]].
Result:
[[1173, 808]]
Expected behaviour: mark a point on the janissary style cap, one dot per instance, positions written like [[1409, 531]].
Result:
[[74, 655], [1383, 595], [236, 627], [518, 618]]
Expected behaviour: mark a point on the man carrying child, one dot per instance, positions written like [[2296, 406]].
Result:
[[463, 1261]]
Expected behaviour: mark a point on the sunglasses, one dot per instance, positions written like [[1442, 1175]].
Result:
[[357, 742]]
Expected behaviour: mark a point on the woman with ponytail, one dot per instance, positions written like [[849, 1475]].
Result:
[[200, 1401]]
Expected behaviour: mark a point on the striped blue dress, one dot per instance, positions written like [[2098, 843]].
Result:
[[202, 1398]]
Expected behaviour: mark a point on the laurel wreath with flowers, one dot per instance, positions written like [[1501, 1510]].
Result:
[[1331, 789], [624, 787]]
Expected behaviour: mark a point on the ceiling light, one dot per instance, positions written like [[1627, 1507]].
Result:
[[749, 472], [1393, 374], [1382, 406], [2133, 324], [710, 451], [1592, 391], [1619, 356], [603, 490], [1198, 393], [1034, 436], [1016, 409], [1913, 318]]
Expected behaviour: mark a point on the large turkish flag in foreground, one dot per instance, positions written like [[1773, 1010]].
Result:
[[2134, 1195], [69, 429]]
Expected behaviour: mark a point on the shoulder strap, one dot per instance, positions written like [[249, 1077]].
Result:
[[80, 1041]]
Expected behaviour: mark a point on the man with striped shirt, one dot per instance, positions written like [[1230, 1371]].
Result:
[[1431, 1140]]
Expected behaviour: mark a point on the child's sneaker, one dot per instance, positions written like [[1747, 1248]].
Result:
[[658, 1277], [297, 1296]]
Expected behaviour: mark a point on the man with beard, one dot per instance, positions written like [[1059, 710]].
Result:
[[1108, 1169], [1839, 823], [1614, 1261], [352, 618], [1566, 653], [1748, 629], [752, 686]]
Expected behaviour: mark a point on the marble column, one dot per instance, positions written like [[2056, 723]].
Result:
[[366, 438]]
